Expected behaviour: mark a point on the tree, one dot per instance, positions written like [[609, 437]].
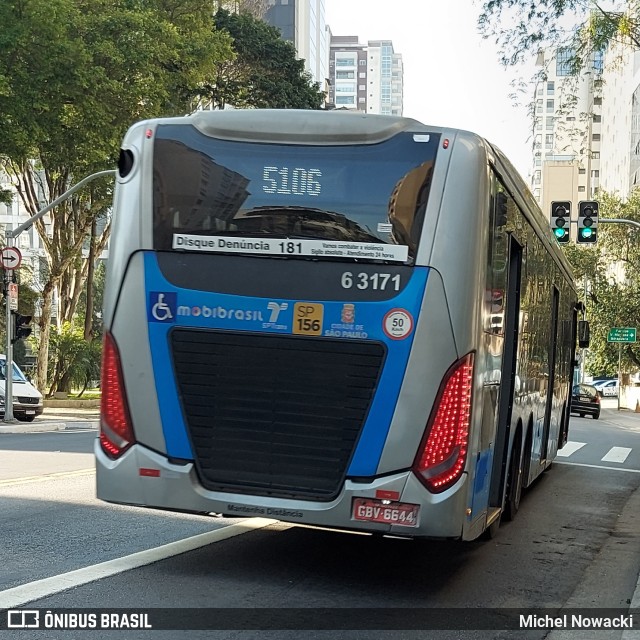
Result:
[[612, 272], [264, 73], [581, 27], [74, 74]]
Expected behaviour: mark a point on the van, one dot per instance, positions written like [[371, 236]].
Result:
[[27, 400]]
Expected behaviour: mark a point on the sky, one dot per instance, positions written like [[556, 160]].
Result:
[[452, 76]]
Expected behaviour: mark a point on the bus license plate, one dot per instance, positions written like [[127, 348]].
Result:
[[400, 513]]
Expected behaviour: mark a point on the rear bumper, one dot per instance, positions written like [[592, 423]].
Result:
[[24, 410], [583, 407], [177, 487]]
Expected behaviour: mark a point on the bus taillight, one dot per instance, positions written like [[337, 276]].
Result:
[[116, 432], [443, 451]]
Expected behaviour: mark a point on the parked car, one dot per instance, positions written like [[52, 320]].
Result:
[[607, 388], [585, 399], [27, 400]]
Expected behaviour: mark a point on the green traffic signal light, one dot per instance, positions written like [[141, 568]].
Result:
[[587, 222], [561, 220]]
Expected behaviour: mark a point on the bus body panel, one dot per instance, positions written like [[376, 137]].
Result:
[[210, 310], [428, 362], [130, 328], [178, 487], [128, 226]]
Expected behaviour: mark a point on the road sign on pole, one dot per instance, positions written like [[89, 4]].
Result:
[[10, 258], [622, 334], [13, 296]]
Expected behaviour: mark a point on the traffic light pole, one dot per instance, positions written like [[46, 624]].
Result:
[[620, 221], [10, 237], [8, 363]]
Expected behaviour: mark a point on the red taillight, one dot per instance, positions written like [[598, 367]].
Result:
[[443, 451], [116, 432]]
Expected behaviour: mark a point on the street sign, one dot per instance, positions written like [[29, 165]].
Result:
[[10, 258], [13, 296], [622, 334]]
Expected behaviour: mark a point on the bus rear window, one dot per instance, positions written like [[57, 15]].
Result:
[[326, 201]]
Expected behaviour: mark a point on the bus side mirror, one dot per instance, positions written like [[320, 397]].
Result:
[[584, 334]]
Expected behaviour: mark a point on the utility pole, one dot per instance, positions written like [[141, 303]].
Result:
[[10, 237]]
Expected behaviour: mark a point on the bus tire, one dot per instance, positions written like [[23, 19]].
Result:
[[514, 483], [492, 530]]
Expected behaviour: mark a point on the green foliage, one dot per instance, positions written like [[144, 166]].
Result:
[[612, 270], [74, 362], [264, 73], [522, 27], [6, 196], [74, 74]]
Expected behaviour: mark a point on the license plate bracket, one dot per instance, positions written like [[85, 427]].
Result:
[[403, 514]]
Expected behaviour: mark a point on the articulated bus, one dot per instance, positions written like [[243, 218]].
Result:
[[333, 319]]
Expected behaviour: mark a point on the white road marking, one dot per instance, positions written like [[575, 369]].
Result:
[[570, 448], [17, 596], [47, 476], [598, 466], [617, 454]]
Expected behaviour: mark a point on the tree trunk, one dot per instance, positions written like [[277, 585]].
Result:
[[45, 332]]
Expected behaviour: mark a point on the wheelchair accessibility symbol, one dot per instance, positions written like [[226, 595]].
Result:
[[162, 306]]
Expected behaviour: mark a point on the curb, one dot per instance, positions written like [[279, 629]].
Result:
[[48, 425], [32, 427]]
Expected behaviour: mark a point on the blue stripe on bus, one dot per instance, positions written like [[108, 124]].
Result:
[[169, 306]]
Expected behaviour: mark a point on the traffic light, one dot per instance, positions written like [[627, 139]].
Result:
[[587, 222], [561, 220], [21, 328]]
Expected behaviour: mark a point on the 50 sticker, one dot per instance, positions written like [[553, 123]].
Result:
[[398, 324], [307, 318]]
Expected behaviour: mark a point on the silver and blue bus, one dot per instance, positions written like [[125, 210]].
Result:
[[333, 319]]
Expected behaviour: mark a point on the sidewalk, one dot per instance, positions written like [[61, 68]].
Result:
[[56, 419]]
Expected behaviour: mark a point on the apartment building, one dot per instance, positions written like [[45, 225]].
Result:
[[367, 78], [567, 130], [303, 23], [620, 154]]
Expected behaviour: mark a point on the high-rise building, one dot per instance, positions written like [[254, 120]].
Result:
[[367, 78], [302, 22], [620, 154], [567, 130]]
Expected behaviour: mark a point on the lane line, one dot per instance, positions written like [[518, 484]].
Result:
[[47, 476], [17, 596], [617, 454], [570, 448], [597, 466]]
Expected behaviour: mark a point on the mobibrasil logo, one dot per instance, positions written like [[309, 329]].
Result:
[[163, 307], [220, 313]]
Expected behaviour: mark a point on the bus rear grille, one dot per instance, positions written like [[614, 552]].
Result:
[[274, 415]]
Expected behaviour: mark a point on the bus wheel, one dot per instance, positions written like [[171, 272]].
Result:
[[514, 484], [492, 530]]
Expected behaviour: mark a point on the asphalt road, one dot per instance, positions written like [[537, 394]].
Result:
[[574, 543]]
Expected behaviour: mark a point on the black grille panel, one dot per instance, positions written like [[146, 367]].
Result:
[[275, 415], [27, 400]]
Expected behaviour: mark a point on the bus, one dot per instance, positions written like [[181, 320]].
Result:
[[333, 319]]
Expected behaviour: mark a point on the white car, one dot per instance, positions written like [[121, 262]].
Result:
[[607, 387], [27, 400]]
